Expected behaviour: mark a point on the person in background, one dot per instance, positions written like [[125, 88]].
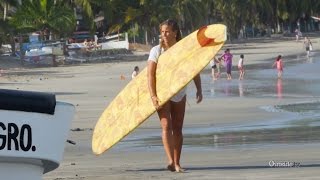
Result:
[[96, 44], [279, 65], [241, 67], [86, 43], [218, 64], [308, 45], [298, 34], [213, 68], [135, 72], [227, 57]]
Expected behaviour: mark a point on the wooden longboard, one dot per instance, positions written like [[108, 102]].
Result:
[[175, 69]]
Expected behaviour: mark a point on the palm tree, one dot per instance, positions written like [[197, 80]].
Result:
[[232, 13], [54, 15], [115, 13], [7, 31], [5, 4], [86, 6], [6, 28], [210, 11], [258, 15], [148, 14], [191, 14], [88, 10]]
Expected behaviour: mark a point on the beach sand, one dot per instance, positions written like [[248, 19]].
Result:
[[235, 133]]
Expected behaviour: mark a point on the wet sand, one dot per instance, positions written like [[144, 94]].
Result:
[[239, 131]]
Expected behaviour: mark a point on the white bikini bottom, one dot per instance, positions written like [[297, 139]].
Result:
[[179, 96]]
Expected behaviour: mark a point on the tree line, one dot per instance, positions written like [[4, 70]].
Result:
[[141, 18]]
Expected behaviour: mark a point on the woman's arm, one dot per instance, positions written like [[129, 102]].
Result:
[[152, 67], [197, 82]]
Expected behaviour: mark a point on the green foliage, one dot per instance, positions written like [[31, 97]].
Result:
[[37, 15], [141, 16]]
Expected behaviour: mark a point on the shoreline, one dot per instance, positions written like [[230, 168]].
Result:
[[142, 55]]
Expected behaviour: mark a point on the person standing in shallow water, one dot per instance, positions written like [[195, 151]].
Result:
[[171, 114], [241, 67], [279, 65], [227, 57], [214, 63], [308, 45]]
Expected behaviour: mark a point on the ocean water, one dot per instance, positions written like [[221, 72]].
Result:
[[301, 125], [300, 80], [298, 124]]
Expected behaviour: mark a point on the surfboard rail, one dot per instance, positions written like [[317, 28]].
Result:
[[176, 67]]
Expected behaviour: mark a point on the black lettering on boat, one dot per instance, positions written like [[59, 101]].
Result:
[[25, 129], [13, 137], [13, 132], [3, 138]]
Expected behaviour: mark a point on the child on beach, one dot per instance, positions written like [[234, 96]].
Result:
[[298, 34], [218, 64], [308, 45], [241, 67], [215, 68], [135, 72], [279, 64]]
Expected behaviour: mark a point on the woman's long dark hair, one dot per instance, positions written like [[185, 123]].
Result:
[[174, 26]]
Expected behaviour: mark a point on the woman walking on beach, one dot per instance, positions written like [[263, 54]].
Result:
[[171, 114], [279, 64], [241, 67], [227, 57]]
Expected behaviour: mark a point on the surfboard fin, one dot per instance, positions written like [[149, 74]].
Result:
[[219, 36]]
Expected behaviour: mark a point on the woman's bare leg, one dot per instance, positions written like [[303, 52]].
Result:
[[167, 137], [279, 74], [177, 115]]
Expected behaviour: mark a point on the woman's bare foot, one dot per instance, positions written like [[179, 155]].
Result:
[[179, 169], [171, 168]]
